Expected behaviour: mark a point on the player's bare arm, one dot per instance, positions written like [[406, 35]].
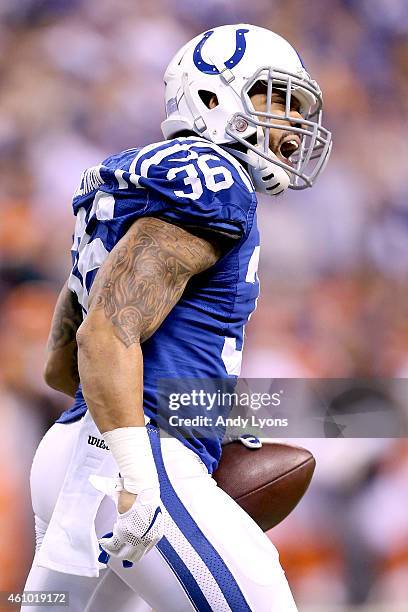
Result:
[[135, 289], [61, 368]]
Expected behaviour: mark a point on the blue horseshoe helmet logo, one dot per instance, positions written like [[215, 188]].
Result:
[[240, 48]]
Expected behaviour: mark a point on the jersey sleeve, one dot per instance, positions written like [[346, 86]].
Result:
[[193, 183]]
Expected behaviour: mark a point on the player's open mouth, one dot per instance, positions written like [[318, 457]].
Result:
[[287, 147]]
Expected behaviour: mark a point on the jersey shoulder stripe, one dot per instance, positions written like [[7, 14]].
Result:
[[157, 153]]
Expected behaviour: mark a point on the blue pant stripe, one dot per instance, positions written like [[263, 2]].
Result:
[[184, 576], [193, 533]]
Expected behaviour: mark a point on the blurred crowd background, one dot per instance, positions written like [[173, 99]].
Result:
[[82, 79]]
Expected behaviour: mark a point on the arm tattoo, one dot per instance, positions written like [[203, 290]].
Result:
[[145, 276], [66, 320]]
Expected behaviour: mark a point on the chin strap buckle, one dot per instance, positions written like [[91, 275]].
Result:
[[200, 124], [227, 76]]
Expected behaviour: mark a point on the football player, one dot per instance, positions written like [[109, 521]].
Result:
[[163, 281]]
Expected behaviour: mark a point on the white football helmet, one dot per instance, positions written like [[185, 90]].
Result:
[[227, 62]]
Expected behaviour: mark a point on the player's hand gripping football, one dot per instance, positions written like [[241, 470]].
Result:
[[136, 530]]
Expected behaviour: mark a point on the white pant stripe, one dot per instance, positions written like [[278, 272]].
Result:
[[195, 565]]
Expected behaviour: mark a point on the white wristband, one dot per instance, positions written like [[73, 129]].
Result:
[[130, 447]]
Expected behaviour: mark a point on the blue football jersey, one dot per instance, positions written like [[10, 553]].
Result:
[[194, 184]]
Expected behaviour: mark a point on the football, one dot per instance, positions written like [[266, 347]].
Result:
[[267, 482]]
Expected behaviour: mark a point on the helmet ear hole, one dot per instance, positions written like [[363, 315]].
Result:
[[208, 98]]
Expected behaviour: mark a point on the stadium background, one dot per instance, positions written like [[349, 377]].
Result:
[[81, 79]]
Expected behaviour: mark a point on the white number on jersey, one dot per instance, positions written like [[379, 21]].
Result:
[[90, 255], [193, 180], [230, 355]]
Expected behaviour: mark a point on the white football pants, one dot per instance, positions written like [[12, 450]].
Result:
[[213, 556]]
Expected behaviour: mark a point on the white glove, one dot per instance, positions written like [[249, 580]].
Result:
[[136, 531], [248, 440]]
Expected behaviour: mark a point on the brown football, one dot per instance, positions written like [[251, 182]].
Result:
[[267, 482]]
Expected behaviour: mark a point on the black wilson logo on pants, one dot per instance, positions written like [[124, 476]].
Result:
[[97, 442]]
